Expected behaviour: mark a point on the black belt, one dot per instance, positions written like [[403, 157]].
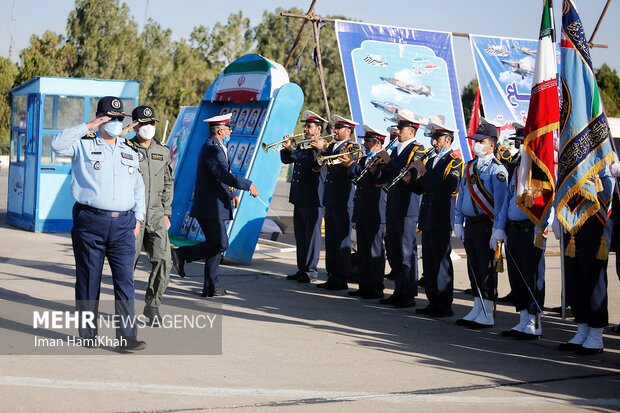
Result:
[[112, 214], [477, 219], [524, 224]]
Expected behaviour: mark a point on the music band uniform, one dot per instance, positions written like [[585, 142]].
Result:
[[109, 195], [306, 195]]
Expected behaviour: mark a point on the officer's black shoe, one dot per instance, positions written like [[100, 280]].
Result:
[[469, 291], [441, 313], [422, 282], [356, 293], [153, 315], [390, 300], [372, 295], [216, 292], [177, 262], [293, 277], [426, 310], [405, 303], [569, 346], [335, 285], [89, 342], [510, 333], [585, 351], [463, 322], [131, 344], [305, 279], [527, 336], [506, 299]]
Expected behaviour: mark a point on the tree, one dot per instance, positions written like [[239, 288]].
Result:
[[8, 73], [53, 47], [609, 85], [467, 98]]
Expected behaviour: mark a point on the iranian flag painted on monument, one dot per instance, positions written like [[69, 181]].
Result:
[[535, 178]]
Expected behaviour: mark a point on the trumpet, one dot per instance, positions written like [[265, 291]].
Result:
[[408, 168], [333, 159], [305, 143], [293, 140], [373, 161]]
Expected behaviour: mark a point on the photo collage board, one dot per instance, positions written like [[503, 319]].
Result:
[[247, 122]]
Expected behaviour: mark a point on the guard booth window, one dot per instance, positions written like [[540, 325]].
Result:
[[128, 106], [61, 112], [20, 109]]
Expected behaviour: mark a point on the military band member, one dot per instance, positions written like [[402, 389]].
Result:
[[402, 212], [107, 214], [438, 181], [482, 192], [214, 197], [525, 261], [338, 202], [156, 171], [369, 215], [306, 195]]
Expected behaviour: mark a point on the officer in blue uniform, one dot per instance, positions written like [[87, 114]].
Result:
[[306, 195], [107, 215], [525, 261], [214, 198], [369, 215], [338, 202], [482, 193], [402, 212], [438, 181]]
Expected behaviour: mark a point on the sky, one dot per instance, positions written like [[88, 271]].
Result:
[[507, 18]]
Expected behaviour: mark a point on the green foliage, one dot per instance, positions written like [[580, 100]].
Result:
[[467, 98], [8, 73], [609, 85]]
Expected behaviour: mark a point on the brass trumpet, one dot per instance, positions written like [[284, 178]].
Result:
[[305, 143], [293, 140], [333, 159]]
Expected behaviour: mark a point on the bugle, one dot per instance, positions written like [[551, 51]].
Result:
[[305, 143], [408, 168], [373, 161], [333, 159], [293, 140]]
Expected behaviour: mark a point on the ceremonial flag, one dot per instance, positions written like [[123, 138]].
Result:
[[585, 146], [472, 127], [536, 174]]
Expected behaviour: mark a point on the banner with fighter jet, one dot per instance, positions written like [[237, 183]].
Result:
[[390, 70], [505, 68]]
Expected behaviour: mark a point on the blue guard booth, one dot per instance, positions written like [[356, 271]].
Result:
[[264, 107], [39, 197]]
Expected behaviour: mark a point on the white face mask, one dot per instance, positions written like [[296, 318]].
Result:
[[147, 132], [480, 149]]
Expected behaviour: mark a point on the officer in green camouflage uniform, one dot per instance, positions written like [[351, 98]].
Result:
[[156, 170]]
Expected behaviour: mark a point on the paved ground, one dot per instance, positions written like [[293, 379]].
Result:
[[292, 347]]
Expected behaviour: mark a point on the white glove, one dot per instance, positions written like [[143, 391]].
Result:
[[497, 235], [459, 232], [614, 169], [557, 228]]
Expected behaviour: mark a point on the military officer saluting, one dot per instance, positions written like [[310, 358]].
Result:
[[481, 196], [156, 171], [338, 202], [402, 212], [306, 195], [369, 214], [438, 182], [107, 215]]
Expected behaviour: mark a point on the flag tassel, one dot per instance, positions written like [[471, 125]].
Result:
[[602, 249], [528, 199], [570, 248], [538, 243], [499, 258]]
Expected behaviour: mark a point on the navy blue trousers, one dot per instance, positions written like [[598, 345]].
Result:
[[338, 227], [401, 246], [211, 249], [371, 256], [307, 227], [96, 236], [438, 270], [586, 276], [481, 266], [526, 266]]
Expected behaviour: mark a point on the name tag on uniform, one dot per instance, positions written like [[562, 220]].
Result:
[[95, 152], [157, 156], [127, 156]]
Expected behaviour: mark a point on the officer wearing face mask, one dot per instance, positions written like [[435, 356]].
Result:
[[107, 215], [482, 193], [156, 170]]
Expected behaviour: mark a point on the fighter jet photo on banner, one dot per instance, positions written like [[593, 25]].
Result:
[[390, 70], [505, 67]]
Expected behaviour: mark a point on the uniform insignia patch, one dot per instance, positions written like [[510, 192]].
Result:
[[501, 177], [455, 173], [127, 156], [140, 156], [93, 152], [131, 170], [97, 165], [157, 156], [116, 104], [147, 112]]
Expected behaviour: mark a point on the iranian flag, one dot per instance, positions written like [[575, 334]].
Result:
[[535, 178]]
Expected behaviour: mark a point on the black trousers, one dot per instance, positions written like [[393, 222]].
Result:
[[586, 276], [307, 227], [338, 242], [526, 266], [401, 246], [480, 263], [438, 270], [371, 256]]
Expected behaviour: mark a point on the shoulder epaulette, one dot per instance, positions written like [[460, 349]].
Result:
[[160, 143], [131, 145], [456, 154], [420, 148], [90, 135]]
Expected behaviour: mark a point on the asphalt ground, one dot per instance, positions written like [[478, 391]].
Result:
[[294, 347]]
